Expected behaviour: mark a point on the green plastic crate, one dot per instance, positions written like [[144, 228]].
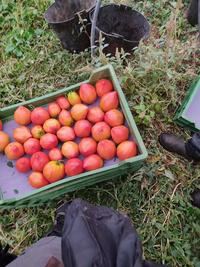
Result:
[[59, 188], [188, 114]]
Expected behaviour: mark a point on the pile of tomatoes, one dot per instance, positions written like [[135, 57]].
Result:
[[74, 134]]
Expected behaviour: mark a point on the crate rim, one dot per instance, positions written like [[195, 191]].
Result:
[[143, 151], [180, 116]]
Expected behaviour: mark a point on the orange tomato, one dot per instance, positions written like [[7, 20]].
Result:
[[37, 180]]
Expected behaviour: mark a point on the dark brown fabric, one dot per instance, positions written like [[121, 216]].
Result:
[[53, 262]]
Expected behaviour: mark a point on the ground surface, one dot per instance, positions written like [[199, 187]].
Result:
[[155, 81]]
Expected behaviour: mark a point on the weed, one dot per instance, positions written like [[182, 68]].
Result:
[[155, 80]]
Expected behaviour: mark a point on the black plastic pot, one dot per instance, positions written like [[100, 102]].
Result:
[[121, 26], [71, 23]]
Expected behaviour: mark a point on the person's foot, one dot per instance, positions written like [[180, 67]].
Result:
[[196, 198], [173, 143]]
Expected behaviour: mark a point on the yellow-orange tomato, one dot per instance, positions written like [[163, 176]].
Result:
[[37, 131], [54, 109], [95, 115], [79, 112], [66, 133], [73, 98], [87, 93], [22, 134], [120, 134], [126, 150], [4, 140], [51, 126], [70, 150], [55, 154], [109, 101], [54, 171], [22, 116], [65, 118], [37, 180], [14, 151], [106, 149], [114, 117], [101, 131]]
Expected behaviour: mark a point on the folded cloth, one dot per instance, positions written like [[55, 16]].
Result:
[[92, 236], [97, 236]]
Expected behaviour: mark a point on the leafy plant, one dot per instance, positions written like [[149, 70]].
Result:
[[154, 79]]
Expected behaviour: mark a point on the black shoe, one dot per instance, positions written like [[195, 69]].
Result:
[[173, 144], [5, 257], [196, 198], [192, 13], [59, 221]]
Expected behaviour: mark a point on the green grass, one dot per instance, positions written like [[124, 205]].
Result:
[[155, 80]]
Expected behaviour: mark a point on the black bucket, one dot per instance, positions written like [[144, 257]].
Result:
[[71, 23], [121, 26]]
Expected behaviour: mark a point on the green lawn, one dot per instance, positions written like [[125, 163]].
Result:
[[155, 80]]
